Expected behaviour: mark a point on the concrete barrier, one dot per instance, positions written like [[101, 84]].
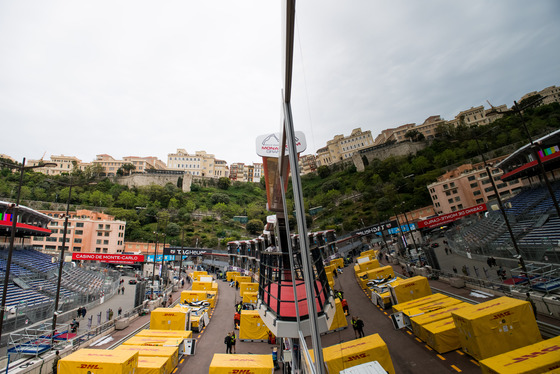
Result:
[[456, 282], [122, 323]]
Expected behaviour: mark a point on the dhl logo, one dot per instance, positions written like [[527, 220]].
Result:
[[544, 351], [242, 371], [90, 366], [409, 285], [169, 314], [352, 346], [502, 315], [488, 306], [356, 357]]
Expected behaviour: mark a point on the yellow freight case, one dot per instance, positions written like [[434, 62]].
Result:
[[496, 326], [337, 262], [168, 319], [195, 275], [99, 361], [339, 320], [152, 365], [418, 302], [379, 273], [420, 322], [165, 333], [409, 289], [442, 335], [431, 307], [250, 297], [356, 352], [252, 327], [248, 287], [253, 364], [202, 286], [243, 279], [230, 275], [369, 265], [170, 353], [542, 357], [192, 296]]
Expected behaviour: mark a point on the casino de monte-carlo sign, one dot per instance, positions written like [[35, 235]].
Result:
[[268, 145]]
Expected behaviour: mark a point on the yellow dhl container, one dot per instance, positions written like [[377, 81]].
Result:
[[192, 296], [165, 333], [339, 321], [253, 364], [170, 353], [248, 287], [370, 252], [152, 365], [250, 297], [379, 273], [418, 302], [420, 322], [202, 286], [496, 326], [542, 357], [409, 289], [195, 275], [442, 335], [357, 269], [243, 279], [431, 307], [356, 352], [230, 275], [369, 265], [99, 361], [331, 284], [155, 341], [168, 319], [337, 262], [252, 327], [329, 269]]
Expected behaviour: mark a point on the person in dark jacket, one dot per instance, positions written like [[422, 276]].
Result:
[[227, 342]]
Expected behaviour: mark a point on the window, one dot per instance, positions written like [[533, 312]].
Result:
[[457, 198], [106, 234], [486, 181], [104, 250], [471, 178], [450, 201], [453, 209], [77, 240], [77, 249], [488, 189], [100, 226], [447, 193], [107, 227], [474, 185], [452, 184], [79, 232], [460, 206], [54, 231], [105, 242], [97, 250], [99, 233], [79, 224], [476, 193]]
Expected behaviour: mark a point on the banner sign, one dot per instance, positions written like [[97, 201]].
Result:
[[402, 228], [186, 251], [376, 228], [446, 218], [110, 258], [269, 145], [150, 258]]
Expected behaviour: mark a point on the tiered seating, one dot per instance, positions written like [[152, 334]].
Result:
[[518, 229], [544, 234], [29, 297], [34, 260], [82, 281], [546, 204], [483, 231], [525, 200], [45, 286], [15, 269]]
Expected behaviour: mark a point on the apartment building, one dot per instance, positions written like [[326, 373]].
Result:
[[87, 231], [307, 164], [550, 95], [470, 185], [143, 248], [394, 135], [201, 164], [246, 173], [343, 147], [64, 165], [110, 166]]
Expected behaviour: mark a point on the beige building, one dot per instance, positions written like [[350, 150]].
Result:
[[88, 231], [201, 164], [307, 164], [394, 135], [342, 147], [110, 166], [469, 185], [550, 95], [246, 173], [64, 165]]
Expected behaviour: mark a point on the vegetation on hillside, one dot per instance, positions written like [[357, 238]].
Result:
[[349, 199]]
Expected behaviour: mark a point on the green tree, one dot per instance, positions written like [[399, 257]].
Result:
[[323, 171], [224, 183], [126, 199], [255, 226]]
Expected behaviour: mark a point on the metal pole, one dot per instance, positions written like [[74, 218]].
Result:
[[181, 257], [11, 249], [155, 256], [162, 259], [502, 210], [61, 264], [410, 231], [304, 243]]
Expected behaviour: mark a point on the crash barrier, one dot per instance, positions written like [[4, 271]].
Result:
[[409, 289], [542, 357], [230, 275], [195, 296], [99, 362], [247, 287], [171, 354], [496, 326], [252, 327], [250, 297], [339, 321], [355, 352], [254, 364]]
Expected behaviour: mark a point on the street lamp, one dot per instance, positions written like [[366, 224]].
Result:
[[15, 209]]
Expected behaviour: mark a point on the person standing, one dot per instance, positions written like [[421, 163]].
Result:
[[119, 311], [233, 341], [355, 326], [227, 342], [55, 362], [360, 327], [83, 312]]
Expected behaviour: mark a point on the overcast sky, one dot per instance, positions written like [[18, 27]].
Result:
[[144, 78]]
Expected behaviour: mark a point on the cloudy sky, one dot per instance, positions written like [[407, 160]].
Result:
[[145, 78]]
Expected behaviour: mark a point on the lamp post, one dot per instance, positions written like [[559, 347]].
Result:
[[162, 259], [15, 208], [155, 256], [409, 229]]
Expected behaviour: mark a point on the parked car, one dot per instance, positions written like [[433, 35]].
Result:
[[132, 281]]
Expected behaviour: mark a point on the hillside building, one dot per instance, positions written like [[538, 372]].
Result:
[[201, 164], [342, 147]]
